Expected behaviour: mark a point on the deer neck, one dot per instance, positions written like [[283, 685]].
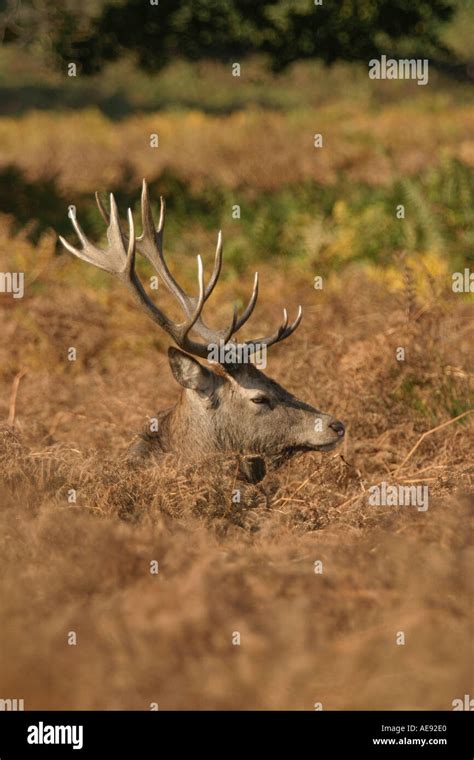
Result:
[[189, 426]]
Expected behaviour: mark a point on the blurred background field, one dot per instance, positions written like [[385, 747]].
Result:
[[304, 212], [249, 140]]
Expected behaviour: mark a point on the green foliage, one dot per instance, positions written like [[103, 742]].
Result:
[[416, 393], [449, 190], [409, 393], [331, 224], [228, 30]]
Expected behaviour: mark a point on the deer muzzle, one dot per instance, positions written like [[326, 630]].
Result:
[[321, 432]]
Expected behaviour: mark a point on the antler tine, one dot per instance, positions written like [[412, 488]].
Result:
[[179, 332], [106, 215], [226, 334], [146, 209], [291, 328], [103, 212], [150, 245], [161, 221], [118, 258], [77, 227], [217, 266], [250, 306], [130, 266], [192, 319], [282, 332], [113, 258], [114, 231]]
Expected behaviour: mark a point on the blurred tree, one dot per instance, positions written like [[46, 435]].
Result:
[[156, 31]]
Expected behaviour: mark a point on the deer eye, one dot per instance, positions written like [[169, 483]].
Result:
[[261, 400]]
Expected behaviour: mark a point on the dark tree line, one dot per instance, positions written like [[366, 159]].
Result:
[[94, 32]]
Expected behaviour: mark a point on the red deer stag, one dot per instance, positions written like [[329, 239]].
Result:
[[230, 406]]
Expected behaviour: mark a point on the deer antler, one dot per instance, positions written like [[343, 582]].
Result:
[[119, 258]]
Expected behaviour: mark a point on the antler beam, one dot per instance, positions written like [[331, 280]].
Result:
[[118, 258]]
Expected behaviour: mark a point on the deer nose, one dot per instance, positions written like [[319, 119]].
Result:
[[338, 427]]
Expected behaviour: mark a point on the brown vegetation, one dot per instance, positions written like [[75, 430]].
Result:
[[227, 566], [254, 148]]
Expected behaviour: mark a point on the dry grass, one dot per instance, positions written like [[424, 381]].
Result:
[[226, 567], [260, 149]]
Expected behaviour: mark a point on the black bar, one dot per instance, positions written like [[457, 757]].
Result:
[[154, 734]]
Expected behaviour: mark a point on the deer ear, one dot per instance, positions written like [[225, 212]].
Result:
[[190, 373]]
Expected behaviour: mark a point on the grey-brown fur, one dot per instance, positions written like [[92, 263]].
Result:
[[217, 413], [217, 410]]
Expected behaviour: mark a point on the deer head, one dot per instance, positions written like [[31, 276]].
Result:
[[229, 406]]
